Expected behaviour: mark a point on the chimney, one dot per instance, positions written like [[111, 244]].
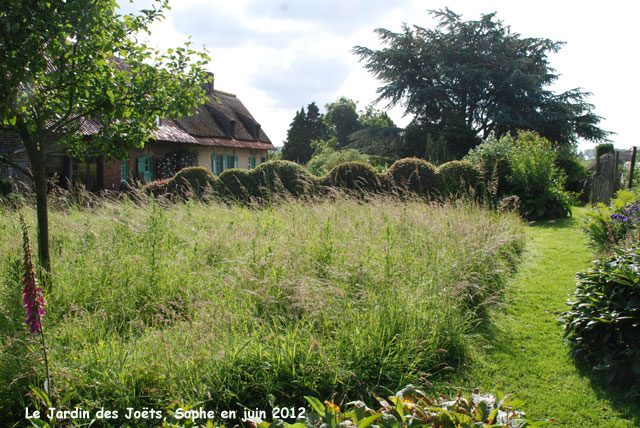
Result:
[[208, 86]]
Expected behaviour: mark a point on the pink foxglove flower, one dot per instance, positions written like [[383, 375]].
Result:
[[32, 295]]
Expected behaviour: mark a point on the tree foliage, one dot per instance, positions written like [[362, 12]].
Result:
[[342, 120], [468, 79], [67, 65], [304, 128]]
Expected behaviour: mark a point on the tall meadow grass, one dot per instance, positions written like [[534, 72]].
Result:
[[157, 304]]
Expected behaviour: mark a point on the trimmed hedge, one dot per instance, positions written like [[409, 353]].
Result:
[[189, 182], [283, 178], [415, 176], [157, 187], [354, 177], [458, 177], [237, 184]]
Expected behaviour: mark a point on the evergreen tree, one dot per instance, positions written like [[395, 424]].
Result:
[[468, 79], [304, 128], [295, 147]]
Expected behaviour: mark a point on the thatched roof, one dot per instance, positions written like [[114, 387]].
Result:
[[221, 121]]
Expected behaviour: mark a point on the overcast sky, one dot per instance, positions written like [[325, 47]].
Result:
[[280, 55]]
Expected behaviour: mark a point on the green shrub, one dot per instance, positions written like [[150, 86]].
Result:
[[535, 178], [414, 175], [283, 178], [412, 407], [490, 158], [354, 176], [5, 187], [237, 185], [322, 163], [575, 174], [603, 323], [458, 177], [604, 148], [191, 182], [157, 187]]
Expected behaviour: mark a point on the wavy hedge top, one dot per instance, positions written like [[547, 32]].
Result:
[[275, 179]]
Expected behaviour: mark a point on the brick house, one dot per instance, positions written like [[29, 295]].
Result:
[[221, 135]]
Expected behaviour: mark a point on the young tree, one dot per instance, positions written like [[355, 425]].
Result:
[[478, 78], [65, 65]]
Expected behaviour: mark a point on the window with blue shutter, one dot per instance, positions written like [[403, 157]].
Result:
[[217, 164], [145, 168], [252, 162], [263, 159]]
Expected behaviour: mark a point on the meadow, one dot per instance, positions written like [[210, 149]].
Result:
[[225, 306]]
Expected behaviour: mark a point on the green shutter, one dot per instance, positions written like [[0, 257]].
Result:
[[145, 168], [235, 161]]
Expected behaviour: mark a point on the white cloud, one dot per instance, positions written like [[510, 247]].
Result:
[[279, 55]]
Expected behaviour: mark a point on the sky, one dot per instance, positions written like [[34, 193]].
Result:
[[278, 56]]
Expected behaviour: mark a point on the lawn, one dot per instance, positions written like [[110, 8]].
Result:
[[523, 350], [228, 306]]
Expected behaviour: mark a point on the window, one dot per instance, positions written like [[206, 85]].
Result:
[[124, 170], [221, 163], [216, 164], [145, 168], [252, 162], [263, 159]]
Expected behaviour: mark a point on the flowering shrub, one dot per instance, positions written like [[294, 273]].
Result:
[[608, 226]]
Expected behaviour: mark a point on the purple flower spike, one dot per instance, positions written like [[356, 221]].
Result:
[[31, 294]]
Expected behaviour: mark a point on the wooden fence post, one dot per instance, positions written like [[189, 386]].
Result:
[[633, 164]]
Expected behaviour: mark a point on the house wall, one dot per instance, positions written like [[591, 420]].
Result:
[[111, 174], [111, 169], [205, 153]]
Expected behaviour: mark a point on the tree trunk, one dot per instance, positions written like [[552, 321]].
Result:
[[40, 186]]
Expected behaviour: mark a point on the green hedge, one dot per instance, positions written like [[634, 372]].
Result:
[[415, 176], [157, 187], [192, 182], [527, 170], [237, 184], [283, 178], [458, 178], [354, 177]]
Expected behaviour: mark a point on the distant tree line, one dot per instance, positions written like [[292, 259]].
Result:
[[461, 82]]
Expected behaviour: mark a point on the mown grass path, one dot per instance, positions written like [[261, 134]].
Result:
[[525, 354]]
